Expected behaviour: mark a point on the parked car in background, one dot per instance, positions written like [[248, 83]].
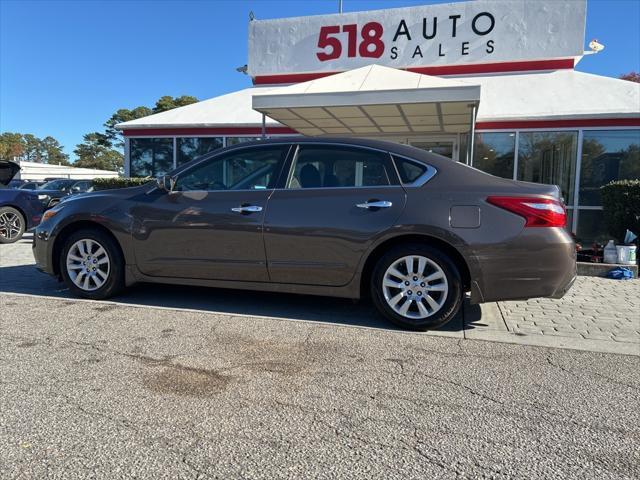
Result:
[[338, 217], [57, 189], [20, 210]]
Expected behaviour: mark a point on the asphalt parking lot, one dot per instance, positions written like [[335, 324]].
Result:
[[202, 383]]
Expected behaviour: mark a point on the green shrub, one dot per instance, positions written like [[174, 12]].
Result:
[[621, 201], [119, 182]]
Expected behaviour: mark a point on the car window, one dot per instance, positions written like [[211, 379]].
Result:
[[320, 166], [82, 186], [250, 169], [409, 171], [57, 185]]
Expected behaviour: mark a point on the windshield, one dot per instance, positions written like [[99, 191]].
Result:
[[57, 185]]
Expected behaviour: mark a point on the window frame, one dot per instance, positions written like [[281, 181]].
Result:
[[212, 156], [429, 173], [394, 178]]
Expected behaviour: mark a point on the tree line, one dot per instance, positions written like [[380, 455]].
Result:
[[30, 148], [101, 150]]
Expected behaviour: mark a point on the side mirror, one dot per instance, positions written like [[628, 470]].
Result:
[[165, 182]]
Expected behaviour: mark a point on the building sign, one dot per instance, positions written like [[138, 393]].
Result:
[[482, 31]]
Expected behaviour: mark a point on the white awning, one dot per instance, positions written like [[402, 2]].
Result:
[[372, 100]]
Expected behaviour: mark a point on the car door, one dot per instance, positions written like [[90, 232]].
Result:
[[336, 199], [210, 225]]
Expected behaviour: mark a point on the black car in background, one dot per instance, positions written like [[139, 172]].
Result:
[[20, 210], [54, 191]]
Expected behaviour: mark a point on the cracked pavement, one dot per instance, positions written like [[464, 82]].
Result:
[[101, 390]]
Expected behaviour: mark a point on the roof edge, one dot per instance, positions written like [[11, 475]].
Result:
[[141, 126]]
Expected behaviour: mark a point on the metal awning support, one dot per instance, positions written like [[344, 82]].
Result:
[[264, 127], [472, 139]]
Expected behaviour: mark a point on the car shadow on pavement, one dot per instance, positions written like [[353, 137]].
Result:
[[26, 279]]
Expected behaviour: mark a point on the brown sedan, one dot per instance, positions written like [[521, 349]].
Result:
[[337, 217]]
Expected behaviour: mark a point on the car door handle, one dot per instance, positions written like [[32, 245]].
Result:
[[247, 209], [375, 204]]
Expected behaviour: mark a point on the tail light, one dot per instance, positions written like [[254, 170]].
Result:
[[537, 211]]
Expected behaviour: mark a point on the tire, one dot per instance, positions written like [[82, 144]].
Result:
[[12, 225], [85, 251], [438, 287]]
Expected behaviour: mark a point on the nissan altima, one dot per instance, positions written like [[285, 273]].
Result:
[[414, 231]]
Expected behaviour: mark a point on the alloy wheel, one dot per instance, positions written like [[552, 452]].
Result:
[[415, 287], [88, 264], [10, 225]]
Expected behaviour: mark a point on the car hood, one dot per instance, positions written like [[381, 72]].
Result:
[[8, 170], [115, 193]]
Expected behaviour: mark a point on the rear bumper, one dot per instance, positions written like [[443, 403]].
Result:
[[540, 262], [559, 293]]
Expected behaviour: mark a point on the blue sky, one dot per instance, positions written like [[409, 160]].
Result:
[[66, 66]]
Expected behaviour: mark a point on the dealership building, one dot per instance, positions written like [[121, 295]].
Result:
[[489, 83]]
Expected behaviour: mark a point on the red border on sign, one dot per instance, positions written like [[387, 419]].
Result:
[[533, 65]]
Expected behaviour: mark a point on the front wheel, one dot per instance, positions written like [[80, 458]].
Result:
[[91, 265], [417, 287], [12, 225]]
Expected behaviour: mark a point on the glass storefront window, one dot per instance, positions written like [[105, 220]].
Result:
[[150, 157], [549, 157], [569, 225], [607, 155], [236, 140], [193, 147], [494, 153], [591, 228]]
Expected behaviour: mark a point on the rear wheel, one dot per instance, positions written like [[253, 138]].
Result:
[[91, 264], [416, 287], [12, 225]]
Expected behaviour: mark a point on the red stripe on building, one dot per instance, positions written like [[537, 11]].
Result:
[[569, 123], [149, 132], [506, 125], [503, 67]]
